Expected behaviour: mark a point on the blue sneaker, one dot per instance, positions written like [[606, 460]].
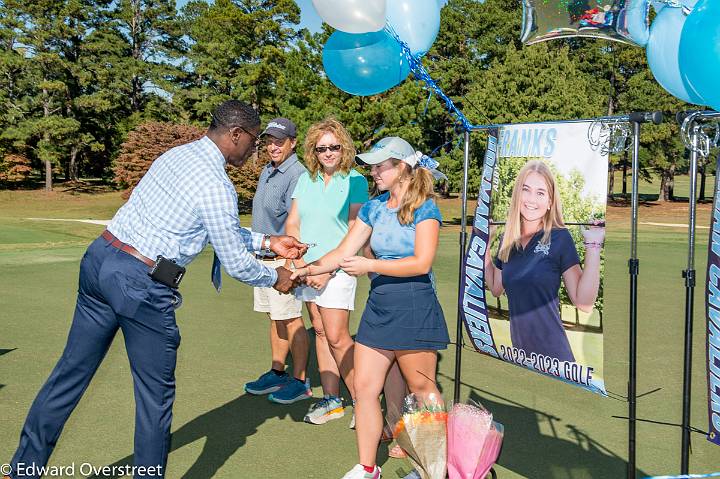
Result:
[[269, 382], [293, 391]]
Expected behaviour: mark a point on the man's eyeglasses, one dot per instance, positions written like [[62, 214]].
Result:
[[255, 138], [257, 141], [323, 149]]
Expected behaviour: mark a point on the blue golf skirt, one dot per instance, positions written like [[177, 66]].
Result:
[[403, 313]]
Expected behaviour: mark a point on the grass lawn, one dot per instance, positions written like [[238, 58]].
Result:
[[651, 188], [552, 430]]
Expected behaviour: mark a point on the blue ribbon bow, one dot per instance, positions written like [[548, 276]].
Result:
[[424, 161], [428, 163]]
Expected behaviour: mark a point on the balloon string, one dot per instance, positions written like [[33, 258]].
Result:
[[421, 74], [427, 105]]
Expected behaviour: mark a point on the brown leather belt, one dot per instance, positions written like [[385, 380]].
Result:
[[126, 248], [266, 258]]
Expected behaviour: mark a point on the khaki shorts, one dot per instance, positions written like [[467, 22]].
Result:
[[279, 306]]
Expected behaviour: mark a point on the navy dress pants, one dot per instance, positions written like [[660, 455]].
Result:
[[115, 291]]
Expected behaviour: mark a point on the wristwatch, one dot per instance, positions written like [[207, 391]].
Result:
[[265, 245]]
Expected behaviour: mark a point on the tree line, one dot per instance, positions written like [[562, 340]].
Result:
[[77, 76]]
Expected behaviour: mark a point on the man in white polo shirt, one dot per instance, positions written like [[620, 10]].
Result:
[[271, 205]]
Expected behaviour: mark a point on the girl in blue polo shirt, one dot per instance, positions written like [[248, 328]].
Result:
[[402, 320], [536, 252]]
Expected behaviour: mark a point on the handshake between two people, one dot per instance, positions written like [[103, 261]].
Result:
[[289, 248]]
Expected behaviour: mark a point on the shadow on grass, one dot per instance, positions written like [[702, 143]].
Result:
[[531, 453], [225, 429], [619, 199], [84, 187], [3, 352], [623, 201], [244, 206], [685, 199], [456, 221]]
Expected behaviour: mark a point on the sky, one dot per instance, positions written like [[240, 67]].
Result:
[[308, 17]]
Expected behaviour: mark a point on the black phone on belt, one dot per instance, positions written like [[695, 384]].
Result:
[[167, 272]]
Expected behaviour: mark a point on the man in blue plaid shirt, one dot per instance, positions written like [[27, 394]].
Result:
[[184, 201]]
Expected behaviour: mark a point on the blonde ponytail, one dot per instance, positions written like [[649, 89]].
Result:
[[420, 189]]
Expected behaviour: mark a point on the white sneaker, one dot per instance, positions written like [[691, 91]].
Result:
[[327, 409], [358, 472]]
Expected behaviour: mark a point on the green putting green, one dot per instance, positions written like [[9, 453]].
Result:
[[552, 430]]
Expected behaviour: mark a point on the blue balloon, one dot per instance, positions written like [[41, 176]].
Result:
[[657, 5], [684, 4], [637, 22], [663, 53], [364, 64], [416, 22], [700, 52]]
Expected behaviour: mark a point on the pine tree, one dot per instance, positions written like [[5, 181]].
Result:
[[661, 147], [153, 45], [48, 39], [236, 50], [16, 79]]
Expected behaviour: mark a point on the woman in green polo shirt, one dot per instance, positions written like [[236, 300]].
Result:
[[325, 203]]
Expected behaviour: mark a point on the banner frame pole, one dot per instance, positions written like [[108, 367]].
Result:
[[689, 275], [698, 142], [463, 248], [616, 118], [633, 271]]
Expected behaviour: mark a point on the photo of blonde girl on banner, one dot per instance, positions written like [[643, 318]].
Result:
[[544, 264]]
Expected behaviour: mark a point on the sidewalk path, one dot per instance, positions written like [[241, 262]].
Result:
[[92, 222], [673, 225]]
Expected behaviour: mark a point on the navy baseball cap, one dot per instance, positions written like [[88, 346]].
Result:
[[280, 128]]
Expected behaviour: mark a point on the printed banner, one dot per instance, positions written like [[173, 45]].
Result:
[[712, 311], [532, 292], [473, 307]]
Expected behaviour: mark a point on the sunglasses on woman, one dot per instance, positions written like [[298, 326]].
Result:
[[323, 149]]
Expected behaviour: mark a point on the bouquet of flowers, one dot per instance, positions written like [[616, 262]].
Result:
[[474, 441], [491, 449], [422, 433]]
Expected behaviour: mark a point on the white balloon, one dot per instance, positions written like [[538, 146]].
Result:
[[352, 16]]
